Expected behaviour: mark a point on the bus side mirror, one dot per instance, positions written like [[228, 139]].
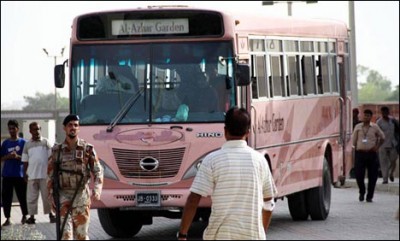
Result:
[[59, 76], [242, 74]]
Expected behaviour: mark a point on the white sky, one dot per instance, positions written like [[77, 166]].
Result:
[[28, 27]]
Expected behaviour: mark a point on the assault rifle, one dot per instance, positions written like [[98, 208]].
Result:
[[56, 194]]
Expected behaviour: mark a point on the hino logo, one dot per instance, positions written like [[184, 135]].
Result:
[[209, 134], [149, 164]]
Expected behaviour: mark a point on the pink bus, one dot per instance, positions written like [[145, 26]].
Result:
[[151, 87]]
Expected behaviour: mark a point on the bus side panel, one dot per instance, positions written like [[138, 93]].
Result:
[[296, 134]]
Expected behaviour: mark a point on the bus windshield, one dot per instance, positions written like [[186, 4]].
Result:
[[151, 83]]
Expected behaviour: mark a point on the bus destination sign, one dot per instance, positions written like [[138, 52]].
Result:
[[150, 26]]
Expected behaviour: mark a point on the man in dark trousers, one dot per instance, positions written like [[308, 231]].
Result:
[[13, 173], [367, 138]]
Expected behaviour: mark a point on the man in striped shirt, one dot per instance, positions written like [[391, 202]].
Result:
[[240, 184]]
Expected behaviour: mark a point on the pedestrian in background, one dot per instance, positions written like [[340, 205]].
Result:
[[240, 184], [35, 157], [13, 172], [367, 138], [356, 120], [387, 152], [78, 160]]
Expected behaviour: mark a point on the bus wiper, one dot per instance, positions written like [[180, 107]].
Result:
[[124, 110]]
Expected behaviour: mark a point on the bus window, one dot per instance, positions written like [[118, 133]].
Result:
[[262, 86], [294, 75], [333, 73], [169, 74], [277, 76], [347, 72], [308, 71], [254, 85], [322, 69]]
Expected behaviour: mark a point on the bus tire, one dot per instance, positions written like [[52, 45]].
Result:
[[297, 206], [319, 198], [119, 224]]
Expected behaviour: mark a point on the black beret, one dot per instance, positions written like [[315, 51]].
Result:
[[70, 117]]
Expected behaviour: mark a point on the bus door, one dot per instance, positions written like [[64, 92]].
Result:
[[346, 113], [344, 118]]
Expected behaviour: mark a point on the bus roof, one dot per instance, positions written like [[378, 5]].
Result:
[[290, 27], [259, 24]]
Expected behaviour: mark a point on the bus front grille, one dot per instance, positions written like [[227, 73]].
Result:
[[149, 163]]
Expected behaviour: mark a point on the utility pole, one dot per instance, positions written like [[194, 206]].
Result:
[[289, 4], [55, 63], [353, 59]]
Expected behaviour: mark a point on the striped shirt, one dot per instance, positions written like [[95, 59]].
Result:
[[237, 178], [36, 154]]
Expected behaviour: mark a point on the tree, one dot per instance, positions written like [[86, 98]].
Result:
[[376, 88], [45, 102], [395, 95]]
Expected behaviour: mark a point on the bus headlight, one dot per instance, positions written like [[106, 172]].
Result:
[[192, 171], [108, 173]]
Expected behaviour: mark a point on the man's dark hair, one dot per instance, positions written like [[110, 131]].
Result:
[[32, 124], [70, 117], [237, 121], [385, 108], [13, 122], [368, 111]]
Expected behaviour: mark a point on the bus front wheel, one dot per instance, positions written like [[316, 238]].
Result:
[[119, 224]]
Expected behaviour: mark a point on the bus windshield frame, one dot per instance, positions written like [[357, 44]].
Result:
[[172, 82]]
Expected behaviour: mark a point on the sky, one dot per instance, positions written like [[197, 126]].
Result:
[[28, 27]]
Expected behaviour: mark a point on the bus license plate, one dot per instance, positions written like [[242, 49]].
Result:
[[148, 199]]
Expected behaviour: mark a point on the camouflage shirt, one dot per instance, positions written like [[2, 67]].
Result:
[[75, 164]]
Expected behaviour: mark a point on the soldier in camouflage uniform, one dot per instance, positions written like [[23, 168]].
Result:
[[77, 160]]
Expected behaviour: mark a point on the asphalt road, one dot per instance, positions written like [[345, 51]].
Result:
[[348, 219]]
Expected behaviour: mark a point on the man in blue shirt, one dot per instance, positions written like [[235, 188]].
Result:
[[13, 172]]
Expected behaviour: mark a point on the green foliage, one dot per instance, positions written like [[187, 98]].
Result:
[[376, 88], [21, 232], [395, 95], [45, 102]]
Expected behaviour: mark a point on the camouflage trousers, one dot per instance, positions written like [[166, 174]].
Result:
[[77, 225]]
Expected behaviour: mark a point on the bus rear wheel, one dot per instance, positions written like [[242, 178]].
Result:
[[119, 224], [297, 206], [319, 198]]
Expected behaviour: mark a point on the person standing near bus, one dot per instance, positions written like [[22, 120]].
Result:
[[240, 184], [356, 120], [13, 172], [77, 161], [35, 157], [387, 152], [367, 138]]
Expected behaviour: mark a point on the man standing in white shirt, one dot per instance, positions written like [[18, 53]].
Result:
[[35, 158], [240, 184]]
